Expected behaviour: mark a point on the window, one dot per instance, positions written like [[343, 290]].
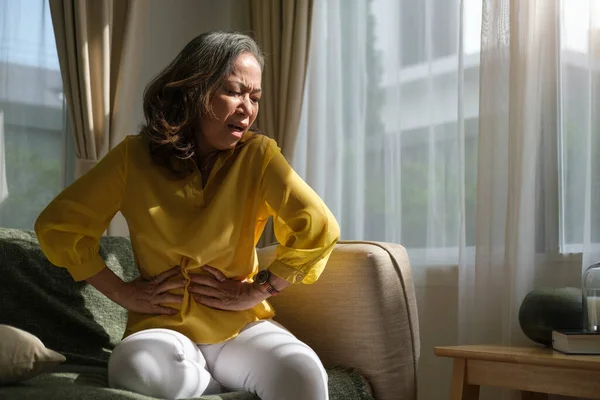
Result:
[[580, 122], [35, 139], [420, 119], [379, 138]]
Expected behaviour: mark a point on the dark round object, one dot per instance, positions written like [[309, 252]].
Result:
[[547, 309]]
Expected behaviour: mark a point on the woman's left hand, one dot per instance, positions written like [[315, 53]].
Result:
[[216, 291]]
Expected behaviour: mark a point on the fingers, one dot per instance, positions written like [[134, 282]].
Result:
[[210, 301], [204, 280], [163, 276], [205, 290], [215, 273], [167, 298], [163, 310], [170, 285]]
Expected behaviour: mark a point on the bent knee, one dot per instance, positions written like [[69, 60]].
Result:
[[159, 364], [296, 377]]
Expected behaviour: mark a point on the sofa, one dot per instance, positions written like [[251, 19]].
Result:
[[365, 331]]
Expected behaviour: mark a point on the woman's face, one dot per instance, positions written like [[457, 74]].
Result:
[[235, 106]]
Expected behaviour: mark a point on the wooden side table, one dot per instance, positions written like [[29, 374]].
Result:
[[535, 371]]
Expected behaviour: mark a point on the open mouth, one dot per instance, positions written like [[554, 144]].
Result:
[[236, 128], [237, 131]]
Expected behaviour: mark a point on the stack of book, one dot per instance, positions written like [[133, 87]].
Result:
[[576, 342]]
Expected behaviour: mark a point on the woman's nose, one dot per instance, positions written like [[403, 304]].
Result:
[[245, 107]]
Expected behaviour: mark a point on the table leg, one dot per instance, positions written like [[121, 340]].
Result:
[[533, 396], [461, 390]]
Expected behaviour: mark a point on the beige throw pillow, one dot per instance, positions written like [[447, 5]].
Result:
[[22, 355]]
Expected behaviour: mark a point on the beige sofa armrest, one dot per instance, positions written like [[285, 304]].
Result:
[[361, 313]]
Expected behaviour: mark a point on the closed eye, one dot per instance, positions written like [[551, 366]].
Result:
[[229, 92]]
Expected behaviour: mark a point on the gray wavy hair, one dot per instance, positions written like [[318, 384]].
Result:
[[177, 98]]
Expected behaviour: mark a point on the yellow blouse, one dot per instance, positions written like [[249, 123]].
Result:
[[174, 221]]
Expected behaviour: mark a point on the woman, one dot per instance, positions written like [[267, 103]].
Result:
[[196, 188]]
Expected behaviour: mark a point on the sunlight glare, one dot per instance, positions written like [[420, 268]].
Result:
[[575, 32]]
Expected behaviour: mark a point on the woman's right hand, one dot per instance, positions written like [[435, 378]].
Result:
[[147, 297]]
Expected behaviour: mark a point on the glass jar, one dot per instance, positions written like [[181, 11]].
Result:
[[590, 290]]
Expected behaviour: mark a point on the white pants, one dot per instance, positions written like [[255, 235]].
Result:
[[264, 359]]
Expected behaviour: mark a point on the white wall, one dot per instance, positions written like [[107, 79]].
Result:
[[162, 30]]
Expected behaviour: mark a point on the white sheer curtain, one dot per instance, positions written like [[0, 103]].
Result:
[[37, 156], [383, 137], [580, 129], [464, 130], [517, 168], [3, 184], [538, 190], [388, 138]]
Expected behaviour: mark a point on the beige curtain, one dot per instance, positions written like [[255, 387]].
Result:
[[98, 44], [89, 39], [282, 29]]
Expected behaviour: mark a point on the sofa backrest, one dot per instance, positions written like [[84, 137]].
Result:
[[70, 317], [361, 313]]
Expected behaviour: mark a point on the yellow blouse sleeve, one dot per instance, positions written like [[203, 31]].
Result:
[[70, 227], [304, 227]]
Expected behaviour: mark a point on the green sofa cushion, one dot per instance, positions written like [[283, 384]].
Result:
[[91, 384], [70, 317], [76, 320]]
